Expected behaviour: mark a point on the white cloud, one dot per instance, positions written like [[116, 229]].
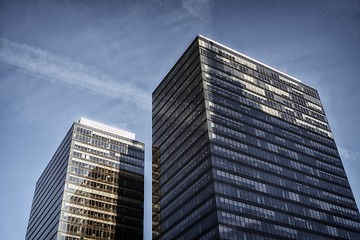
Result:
[[349, 154], [198, 8], [47, 66], [185, 15]]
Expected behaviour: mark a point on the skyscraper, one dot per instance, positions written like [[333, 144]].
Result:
[[92, 187], [244, 151]]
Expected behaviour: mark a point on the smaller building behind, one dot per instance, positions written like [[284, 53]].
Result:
[[93, 187]]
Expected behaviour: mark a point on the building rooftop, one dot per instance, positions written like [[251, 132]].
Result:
[[106, 128], [255, 61]]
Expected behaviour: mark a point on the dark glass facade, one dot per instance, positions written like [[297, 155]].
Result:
[[244, 151], [92, 188]]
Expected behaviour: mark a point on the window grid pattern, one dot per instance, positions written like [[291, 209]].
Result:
[[270, 138], [103, 196], [251, 144]]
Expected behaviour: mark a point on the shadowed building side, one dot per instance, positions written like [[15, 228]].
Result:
[[46, 206], [155, 192]]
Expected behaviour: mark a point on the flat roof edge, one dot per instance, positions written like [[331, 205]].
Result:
[[106, 128], [250, 58]]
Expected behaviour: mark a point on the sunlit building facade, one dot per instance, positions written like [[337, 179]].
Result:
[[244, 151], [92, 188]]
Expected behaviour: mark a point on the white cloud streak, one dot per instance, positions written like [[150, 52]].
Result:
[[184, 15], [44, 65], [349, 154], [201, 9]]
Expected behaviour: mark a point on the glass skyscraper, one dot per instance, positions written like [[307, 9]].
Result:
[[92, 188], [244, 151]]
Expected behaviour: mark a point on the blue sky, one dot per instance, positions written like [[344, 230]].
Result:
[[60, 60]]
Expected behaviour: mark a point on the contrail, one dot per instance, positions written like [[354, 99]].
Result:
[[50, 67]]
